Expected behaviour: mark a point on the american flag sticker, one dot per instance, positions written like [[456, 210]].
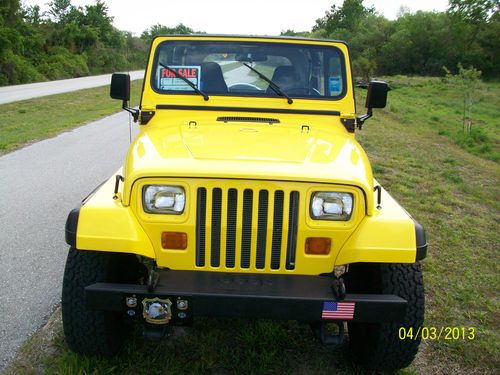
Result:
[[338, 310]]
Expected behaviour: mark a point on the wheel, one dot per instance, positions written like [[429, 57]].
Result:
[[94, 332], [377, 345]]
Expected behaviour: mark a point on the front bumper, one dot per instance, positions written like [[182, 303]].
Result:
[[244, 295]]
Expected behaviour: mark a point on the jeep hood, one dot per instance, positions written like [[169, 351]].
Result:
[[253, 151]]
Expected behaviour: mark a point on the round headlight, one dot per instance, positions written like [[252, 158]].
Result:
[[163, 199], [327, 205]]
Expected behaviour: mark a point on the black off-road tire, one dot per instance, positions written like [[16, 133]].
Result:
[[94, 332], [378, 346]]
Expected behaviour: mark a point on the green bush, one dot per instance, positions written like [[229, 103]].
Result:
[[15, 69], [60, 63]]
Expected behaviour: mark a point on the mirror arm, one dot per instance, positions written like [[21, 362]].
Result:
[[134, 112], [361, 119]]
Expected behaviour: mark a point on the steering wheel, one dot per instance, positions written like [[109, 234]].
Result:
[[242, 86], [303, 91]]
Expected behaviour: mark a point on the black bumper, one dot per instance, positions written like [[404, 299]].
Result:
[[421, 241], [244, 295]]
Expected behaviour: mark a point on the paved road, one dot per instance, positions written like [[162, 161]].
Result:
[[9, 94], [39, 185]]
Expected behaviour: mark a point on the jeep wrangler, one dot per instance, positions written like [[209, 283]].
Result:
[[245, 194]]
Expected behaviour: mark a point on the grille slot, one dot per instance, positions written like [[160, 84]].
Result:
[[246, 229], [201, 209], [232, 213], [277, 229], [215, 237], [264, 120], [262, 229], [293, 222], [254, 236]]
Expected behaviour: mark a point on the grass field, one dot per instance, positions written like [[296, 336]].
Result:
[[31, 120], [450, 188]]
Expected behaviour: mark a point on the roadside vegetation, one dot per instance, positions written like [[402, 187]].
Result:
[[68, 41], [452, 192], [72, 41], [31, 120]]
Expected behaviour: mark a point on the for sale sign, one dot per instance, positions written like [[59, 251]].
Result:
[[169, 81]]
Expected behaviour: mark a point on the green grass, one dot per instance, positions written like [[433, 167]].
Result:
[[35, 119], [230, 66], [454, 194], [439, 106], [451, 191]]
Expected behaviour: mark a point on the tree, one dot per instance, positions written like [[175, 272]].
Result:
[[474, 11], [467, 81], [348, 17], [158, 29], [364, 67], [33, 15], [60, 9]]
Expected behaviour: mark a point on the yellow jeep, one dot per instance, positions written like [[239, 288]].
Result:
[[246, 194]]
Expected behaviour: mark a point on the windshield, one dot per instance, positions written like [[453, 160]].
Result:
[[219, 68]]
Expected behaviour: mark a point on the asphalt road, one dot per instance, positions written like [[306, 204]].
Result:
[[9, 94], [39, 185]]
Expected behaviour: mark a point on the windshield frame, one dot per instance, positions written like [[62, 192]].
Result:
[[312, 45]]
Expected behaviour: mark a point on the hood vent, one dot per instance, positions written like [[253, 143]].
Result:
[[248, 119]]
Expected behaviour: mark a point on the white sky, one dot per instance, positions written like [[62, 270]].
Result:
[[257, 17]]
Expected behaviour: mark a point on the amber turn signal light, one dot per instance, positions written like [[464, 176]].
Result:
[[318, 245], [174, 240]]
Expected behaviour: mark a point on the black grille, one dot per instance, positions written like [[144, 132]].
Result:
[[262, 229], [216, 212], [277, 230], [293, 222], [232, 207], [246, 230], [256, 234], [201, 210]]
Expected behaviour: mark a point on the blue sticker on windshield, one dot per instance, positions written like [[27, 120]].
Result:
[[335, 86]]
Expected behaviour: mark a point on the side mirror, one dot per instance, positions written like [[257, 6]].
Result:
[[375, 98], [377, 94], [120, 89], [120, 86]]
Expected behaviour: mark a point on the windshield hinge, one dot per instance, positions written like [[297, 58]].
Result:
[[349, 123], [146, 116]]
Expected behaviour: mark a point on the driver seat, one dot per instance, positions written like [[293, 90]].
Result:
[[285, 77], [212, 79]]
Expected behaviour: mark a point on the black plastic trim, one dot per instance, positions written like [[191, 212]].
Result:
[[84, 200], [146, 116], [71, 226], [246, 109], [421, 241], [349, 124], [296, 297]]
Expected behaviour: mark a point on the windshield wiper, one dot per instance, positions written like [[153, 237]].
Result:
[[272, 85], [193, 86]]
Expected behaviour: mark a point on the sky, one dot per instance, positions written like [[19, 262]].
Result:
[[256, 17]]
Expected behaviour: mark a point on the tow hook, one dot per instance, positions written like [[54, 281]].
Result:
[[154, 332], [327, 338], [338, 289], [153, 278]]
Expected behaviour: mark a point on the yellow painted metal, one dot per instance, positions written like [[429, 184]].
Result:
[[104, 224], [170, 146], [338, 231], [192, 149], [386, 237]]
